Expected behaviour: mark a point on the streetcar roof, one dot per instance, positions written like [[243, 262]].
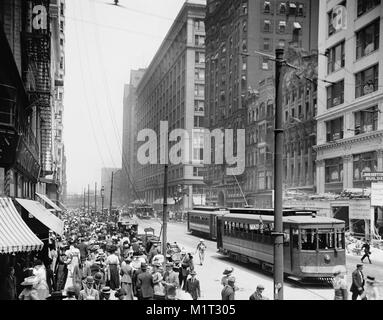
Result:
[[289, 219], [207, 208], [220, 212], [286, 211]]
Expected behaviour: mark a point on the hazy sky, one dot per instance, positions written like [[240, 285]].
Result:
[[103, 43]]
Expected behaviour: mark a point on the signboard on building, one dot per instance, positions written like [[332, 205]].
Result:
[[376, 194], [359, 209], [373, 176]]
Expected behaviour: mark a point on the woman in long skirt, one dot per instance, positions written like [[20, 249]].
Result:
[[126, 278], [41, 276], [113, 271], [61, 272]]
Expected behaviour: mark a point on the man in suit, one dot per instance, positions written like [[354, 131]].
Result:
[[367, 252], [171, 281], [145, 284], [192, 286], [228, 291], [357, 286]]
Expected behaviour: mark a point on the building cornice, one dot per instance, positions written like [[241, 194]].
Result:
[[358, 104], [351, 140]]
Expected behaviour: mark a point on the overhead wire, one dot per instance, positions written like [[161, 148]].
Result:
[[111, 115]]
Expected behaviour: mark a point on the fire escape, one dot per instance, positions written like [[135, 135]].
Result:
[[37, 57]]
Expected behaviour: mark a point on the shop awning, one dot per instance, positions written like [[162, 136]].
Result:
[[49, 201], [43, 215], [61, 205], [15, 236]]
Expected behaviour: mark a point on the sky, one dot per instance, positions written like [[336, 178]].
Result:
[[102, 44]]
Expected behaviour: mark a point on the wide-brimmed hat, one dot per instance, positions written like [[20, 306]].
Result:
[[193, 273], [30, 281], [89, 279], [370, 279], [359, 265], [106, 290], [260, 287], [228, 270]]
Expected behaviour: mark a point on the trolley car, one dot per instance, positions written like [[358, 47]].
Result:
[[313, 245], [203, 221]]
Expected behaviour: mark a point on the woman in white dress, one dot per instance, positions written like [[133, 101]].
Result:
[[371, 292], [41, 285]]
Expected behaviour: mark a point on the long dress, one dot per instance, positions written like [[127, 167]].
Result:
[[113, 264], [61, 274], [126, 280], [41, 285]]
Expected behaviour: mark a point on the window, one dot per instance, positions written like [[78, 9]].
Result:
[[308, 239], [244, 8], [334, 129], [335, 18], [282, 8], [300, 12], [267, 26], [198, 121], [295, 236], [292, 9], [367, 39], [197, 172], [334, 170], [199, 57], [366, 81], [282, 27], [61, 41], [199, 74], [335, 58], [365, 162], [199, 40], [366, 5], [335, 94], [199, 105], [266, 44], [282, 43], [266, 7], [366, 120], [265, 63], [199, 90], [261, 180]]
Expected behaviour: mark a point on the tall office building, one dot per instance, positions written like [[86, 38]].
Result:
[[236, 75], [129, 137], [172, 89], [350, 120]]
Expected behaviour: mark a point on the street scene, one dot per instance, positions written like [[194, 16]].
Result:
[[191, 150]]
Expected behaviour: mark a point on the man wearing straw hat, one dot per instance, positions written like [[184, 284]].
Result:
[[357, 286], [89, 293], [192, 286]]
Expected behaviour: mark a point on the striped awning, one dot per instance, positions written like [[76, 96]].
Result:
[[49, 201], [15, 235], [43, 215]]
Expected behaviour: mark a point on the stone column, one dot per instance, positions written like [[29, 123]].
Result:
[[320, 176], [347, 171], [380, 160]]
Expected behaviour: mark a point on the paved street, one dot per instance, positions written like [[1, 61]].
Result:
[[247, 276]]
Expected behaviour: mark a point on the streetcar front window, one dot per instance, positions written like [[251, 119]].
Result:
[[326, 239], [308, 239]]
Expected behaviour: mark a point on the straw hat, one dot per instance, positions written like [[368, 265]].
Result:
[[370, 280], [228, 270], [89, 279], [30, 281]]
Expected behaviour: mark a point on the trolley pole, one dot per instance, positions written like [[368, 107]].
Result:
[[95, 197], [102, 199], [278, 182]]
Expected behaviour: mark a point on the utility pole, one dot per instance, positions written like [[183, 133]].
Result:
[[95, 197], [164, 218], [278, 182], [102, 199], [111, 195], [88, 200]]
